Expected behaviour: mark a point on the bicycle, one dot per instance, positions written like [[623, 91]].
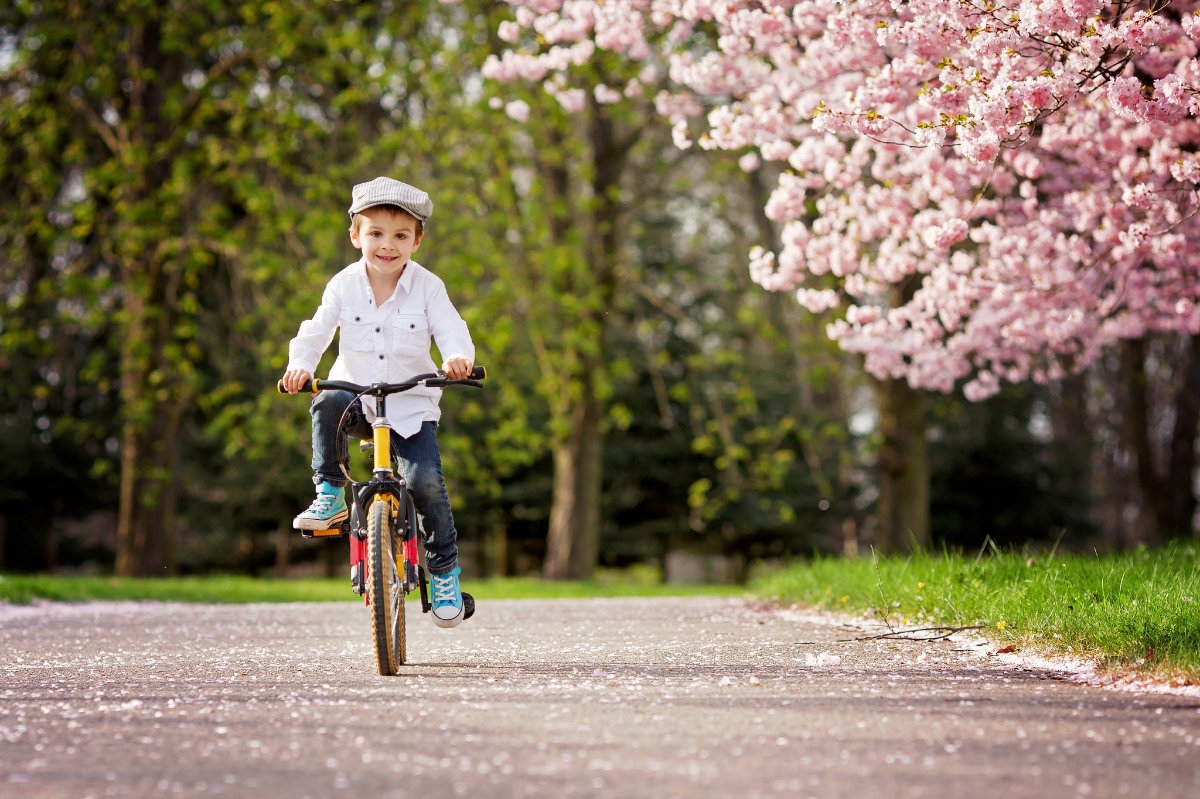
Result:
[[385, 564]]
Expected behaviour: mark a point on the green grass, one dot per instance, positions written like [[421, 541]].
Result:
[[1135, 611], [23, 589]]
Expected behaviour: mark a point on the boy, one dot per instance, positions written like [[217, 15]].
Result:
[[388, 308]]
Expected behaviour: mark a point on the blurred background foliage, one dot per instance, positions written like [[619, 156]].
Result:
[[174, 183]]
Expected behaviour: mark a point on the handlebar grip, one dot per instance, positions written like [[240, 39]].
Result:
[[308, 386], [478, 373]]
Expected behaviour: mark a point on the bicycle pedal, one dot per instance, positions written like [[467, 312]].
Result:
[[336, 531], [468, 606]]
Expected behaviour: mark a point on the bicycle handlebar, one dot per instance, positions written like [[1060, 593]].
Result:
[[431, 380]]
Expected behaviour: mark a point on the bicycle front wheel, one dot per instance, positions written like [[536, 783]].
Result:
[[385, 590]]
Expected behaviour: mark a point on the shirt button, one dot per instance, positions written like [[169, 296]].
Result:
[[376, 330]]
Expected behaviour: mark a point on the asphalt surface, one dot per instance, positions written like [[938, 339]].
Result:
[[565, 698]]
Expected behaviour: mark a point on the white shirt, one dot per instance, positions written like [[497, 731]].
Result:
[[388, 344]]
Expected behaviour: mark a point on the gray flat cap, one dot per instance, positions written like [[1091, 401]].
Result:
[[385, 191]]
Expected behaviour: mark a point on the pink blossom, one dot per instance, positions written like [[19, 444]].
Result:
[[762, 265], [1027, 164], [680, 135], [1191, 25], [1186, 169], [981, 146], [913, 127], [862, 314], [943, 236], [1139, 196], [931, 136], [571, 100], [517, 110], [817, 300], [508, 31], [606, 95]]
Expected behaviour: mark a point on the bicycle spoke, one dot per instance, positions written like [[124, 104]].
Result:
[[386, 592]]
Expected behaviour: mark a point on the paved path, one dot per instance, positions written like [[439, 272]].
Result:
[[569, 698]]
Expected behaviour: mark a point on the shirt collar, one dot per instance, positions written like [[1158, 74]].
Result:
[[410, 274], [406, 279]]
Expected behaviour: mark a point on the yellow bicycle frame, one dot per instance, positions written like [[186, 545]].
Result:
[[382, 437]]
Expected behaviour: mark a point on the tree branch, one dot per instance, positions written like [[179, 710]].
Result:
[[939, 634]]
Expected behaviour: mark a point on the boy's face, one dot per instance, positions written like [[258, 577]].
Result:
[[387, 239]]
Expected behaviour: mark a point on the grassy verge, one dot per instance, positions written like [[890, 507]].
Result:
[[23, 589], [1136, 610], [1128, 611]]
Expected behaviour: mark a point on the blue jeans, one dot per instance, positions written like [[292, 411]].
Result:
[[420, 466]]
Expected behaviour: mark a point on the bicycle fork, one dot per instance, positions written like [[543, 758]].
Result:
[[403, 513], [407, 565], [381, 443]]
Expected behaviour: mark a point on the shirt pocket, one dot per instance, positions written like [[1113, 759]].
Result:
[[410, 333], [358, 335]]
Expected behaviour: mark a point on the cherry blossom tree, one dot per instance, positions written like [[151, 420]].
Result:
[[983, 191], [972, 191]]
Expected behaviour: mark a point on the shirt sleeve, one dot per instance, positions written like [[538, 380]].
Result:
[[449, 330], [316, 334]]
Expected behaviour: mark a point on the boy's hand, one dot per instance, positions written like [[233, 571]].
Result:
[[293, 379], [457, 368]]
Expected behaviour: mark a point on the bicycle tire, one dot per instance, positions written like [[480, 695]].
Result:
[[385, 590]]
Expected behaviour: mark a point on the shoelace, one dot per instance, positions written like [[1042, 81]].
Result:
[[323, 503], [443, 588]]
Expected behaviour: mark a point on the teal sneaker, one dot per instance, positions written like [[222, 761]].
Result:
[[327, 511], [447, 598]]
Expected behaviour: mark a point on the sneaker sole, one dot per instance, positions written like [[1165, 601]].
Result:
[[304, 523]]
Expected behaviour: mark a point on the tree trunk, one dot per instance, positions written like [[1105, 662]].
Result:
[[1071, 426], [902, 512], [144, 218], [573, 539], [1136, 429], [153, 398], [1179, 504], [146, 514], [1165, 484], [572, 542], [497, 550], [283, 535]]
